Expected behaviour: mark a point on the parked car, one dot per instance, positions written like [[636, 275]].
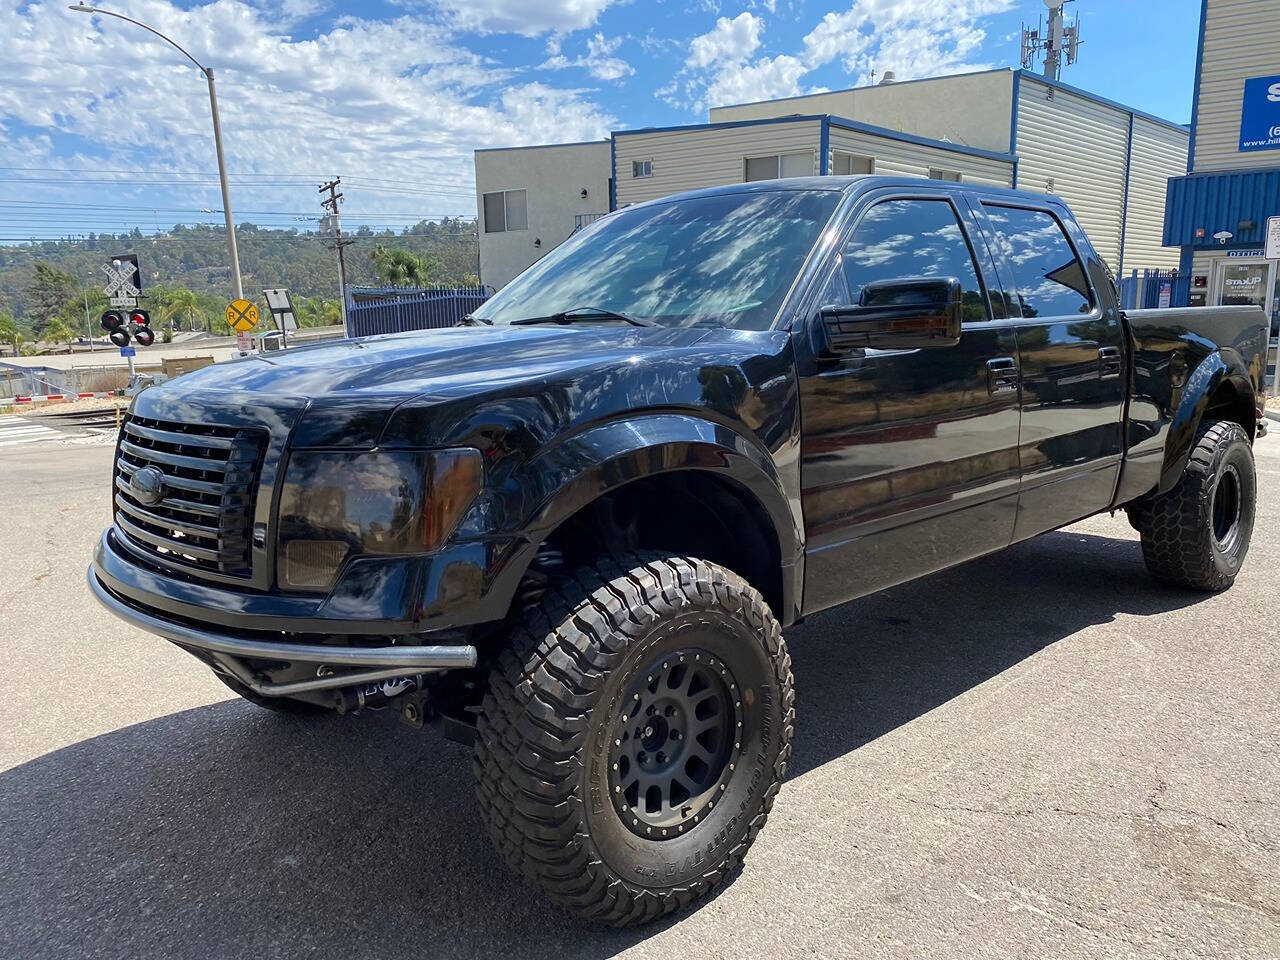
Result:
[[573, 530]]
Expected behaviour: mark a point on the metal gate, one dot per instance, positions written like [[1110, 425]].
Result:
[[1154, 288], [374, 310]]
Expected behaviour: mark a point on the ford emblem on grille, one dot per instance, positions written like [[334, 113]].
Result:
[[147, 485]]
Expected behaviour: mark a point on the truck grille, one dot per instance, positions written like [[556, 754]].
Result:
[[197, 511]]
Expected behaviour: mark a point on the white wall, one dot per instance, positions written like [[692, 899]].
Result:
[[554, 178], [969, 109], [1075, 147], [1241, 40], [693, 158], [896, 158], [1158, 153]]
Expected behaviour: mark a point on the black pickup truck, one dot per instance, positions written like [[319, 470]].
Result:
[[573, 528]]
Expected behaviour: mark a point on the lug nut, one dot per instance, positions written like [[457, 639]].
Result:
[[662, 757], [642, 756], [675, 734], [670, 711], [648, 711]]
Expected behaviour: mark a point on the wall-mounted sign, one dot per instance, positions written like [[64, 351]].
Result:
[[1273, 238], [1260, 114]]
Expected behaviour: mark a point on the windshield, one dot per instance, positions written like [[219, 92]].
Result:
[[726, 260]]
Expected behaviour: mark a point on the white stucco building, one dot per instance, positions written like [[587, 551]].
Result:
[[529, 199]]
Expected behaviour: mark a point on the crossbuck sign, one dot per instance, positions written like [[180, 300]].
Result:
[[120, 286]]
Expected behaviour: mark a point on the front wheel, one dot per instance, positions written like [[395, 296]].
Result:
[[635, 735], [1197, 534]]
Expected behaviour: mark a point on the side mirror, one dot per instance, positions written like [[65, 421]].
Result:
[[896, 315]]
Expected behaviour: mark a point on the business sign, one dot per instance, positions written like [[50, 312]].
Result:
[[1260, 114], [1273, 238]]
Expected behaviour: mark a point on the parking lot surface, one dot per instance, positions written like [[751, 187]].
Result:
[[1038, 754]]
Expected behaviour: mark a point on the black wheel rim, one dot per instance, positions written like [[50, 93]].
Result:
[[675, 744], [1227, 508]]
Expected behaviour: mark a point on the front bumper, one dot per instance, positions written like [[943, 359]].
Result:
[[394, 619]]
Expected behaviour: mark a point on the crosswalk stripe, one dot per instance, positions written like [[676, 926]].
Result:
[[15, 431]]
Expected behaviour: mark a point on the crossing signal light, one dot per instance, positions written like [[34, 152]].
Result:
[[142, 331], [117, 330]]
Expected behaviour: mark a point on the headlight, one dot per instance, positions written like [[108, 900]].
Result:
[[335, 505]]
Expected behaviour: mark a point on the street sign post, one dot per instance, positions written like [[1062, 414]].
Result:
[[120, 286], [242, 316], [281, 306]]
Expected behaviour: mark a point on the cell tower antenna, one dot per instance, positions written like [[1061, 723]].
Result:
[[1057, 41]]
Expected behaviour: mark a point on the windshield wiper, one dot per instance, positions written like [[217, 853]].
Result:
[[584, 313], [471, 320]]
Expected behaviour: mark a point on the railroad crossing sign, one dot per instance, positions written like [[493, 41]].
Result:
[[120, 288], [242, 315]]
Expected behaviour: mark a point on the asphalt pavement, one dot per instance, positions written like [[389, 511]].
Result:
[[1038, 754]]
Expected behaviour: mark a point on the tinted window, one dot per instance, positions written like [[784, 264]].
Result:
[[1050, 279], [725, 259], [898, 239]]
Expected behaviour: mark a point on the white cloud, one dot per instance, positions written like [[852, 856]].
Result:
[[530, 19], [914, 38], [730, 41], [598, 60], [398, 100]]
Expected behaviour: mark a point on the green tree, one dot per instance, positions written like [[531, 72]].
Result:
[[401, 268], [56, 331], [9, 334], [181, 303], [48, 291]]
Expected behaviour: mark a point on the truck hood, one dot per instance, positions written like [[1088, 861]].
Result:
[[444, 362]]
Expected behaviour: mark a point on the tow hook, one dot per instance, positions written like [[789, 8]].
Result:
[[372, 695]]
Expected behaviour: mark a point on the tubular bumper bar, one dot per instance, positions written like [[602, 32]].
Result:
[[401, 659]]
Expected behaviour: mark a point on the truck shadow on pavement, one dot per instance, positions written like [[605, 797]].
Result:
[[228, 831]]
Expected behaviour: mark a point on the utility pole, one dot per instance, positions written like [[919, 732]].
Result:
[[88, 324], [332, 227]]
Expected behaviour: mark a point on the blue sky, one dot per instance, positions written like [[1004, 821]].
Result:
[[102, 127]]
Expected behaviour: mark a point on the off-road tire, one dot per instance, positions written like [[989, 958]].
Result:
[[1183, 541], [288, 705], [556, 698]]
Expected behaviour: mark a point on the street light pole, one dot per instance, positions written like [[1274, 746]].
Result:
[[232, 252]]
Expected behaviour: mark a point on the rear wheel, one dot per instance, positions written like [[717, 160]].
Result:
[[1197, 534], [635, 735]]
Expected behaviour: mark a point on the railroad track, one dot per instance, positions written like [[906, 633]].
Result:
[[89, 419]]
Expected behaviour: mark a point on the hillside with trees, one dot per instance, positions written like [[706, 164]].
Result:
[[187, 283]]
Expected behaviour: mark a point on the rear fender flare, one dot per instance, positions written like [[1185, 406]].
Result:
[[1215, 369]]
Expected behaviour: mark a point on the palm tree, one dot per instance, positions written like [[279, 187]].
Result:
[[183, 302], [400, 268]]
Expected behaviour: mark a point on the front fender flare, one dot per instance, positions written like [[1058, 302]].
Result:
[[567, 475]]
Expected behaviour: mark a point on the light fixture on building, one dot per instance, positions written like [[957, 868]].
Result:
[[537, 241], [584, 193], [1222, 236]]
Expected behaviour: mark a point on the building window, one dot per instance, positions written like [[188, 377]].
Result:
[[778, 166], [850, 164], [937, 173], [641, 169], [505, 210]]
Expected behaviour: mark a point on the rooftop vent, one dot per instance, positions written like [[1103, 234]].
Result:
[[888, 78]]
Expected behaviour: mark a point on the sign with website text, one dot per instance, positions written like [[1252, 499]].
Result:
[[1260, 114]]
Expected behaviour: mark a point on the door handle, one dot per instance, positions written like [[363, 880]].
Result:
[[1109, 362], [1002, 375]]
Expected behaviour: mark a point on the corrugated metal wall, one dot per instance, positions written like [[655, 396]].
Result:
[[1076, 148], [1159, 153], [692, 159], [1240, 41], [899, 158]]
